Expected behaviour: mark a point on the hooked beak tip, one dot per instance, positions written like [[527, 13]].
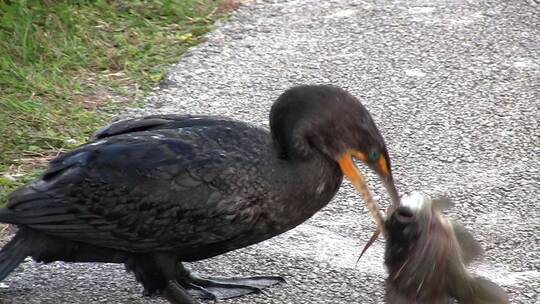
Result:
[[382, 166], [392, 191]]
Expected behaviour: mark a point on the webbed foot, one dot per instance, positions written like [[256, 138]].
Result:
[[176, 294], [224, 288]]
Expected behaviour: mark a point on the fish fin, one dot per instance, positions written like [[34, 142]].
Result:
[[486, 292], [442, 203], [470, 247]]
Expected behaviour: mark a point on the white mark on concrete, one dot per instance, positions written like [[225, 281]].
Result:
[[342, 14], [524, 63], [323, 245], [421, 10], [344, 55], [414, 73], [422, 19], [467, 19], [423, 14]]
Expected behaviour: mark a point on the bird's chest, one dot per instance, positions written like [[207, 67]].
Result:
[[296, 199], [265, 197]]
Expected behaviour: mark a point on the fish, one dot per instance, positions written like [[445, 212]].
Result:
[[427, 255]]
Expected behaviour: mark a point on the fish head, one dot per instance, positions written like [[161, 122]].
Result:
[[405, 225]]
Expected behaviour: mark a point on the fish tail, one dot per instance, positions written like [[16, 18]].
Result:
[[486, 292]]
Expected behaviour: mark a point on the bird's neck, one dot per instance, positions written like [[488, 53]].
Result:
[[311, 184]]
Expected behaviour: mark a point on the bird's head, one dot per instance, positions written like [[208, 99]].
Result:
[[328, 120]]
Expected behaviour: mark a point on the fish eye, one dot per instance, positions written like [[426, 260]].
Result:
[[373, 155]]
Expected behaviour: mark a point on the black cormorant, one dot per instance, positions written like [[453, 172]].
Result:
[[157, 191]]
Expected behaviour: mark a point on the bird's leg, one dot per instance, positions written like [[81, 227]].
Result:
[[223, 288], [177, 294], [157, 274]]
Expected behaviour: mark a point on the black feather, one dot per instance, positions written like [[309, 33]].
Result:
[[13, 254]]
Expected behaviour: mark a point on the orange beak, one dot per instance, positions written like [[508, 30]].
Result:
[[352, 173], [357, 179], [381, 166]]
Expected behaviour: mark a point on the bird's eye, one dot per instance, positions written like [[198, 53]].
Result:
[[373, 155]]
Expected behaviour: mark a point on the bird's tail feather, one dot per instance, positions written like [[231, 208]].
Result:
[[13, 254], [6, 216]]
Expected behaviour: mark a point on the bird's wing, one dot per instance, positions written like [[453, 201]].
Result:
[[142, 191], [157, 122]]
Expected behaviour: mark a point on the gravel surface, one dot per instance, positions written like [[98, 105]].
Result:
[[453, 85]]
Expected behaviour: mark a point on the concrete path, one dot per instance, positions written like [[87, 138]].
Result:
[[453, 85]]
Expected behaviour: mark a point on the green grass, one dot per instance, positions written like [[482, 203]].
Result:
[[67, 66]]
